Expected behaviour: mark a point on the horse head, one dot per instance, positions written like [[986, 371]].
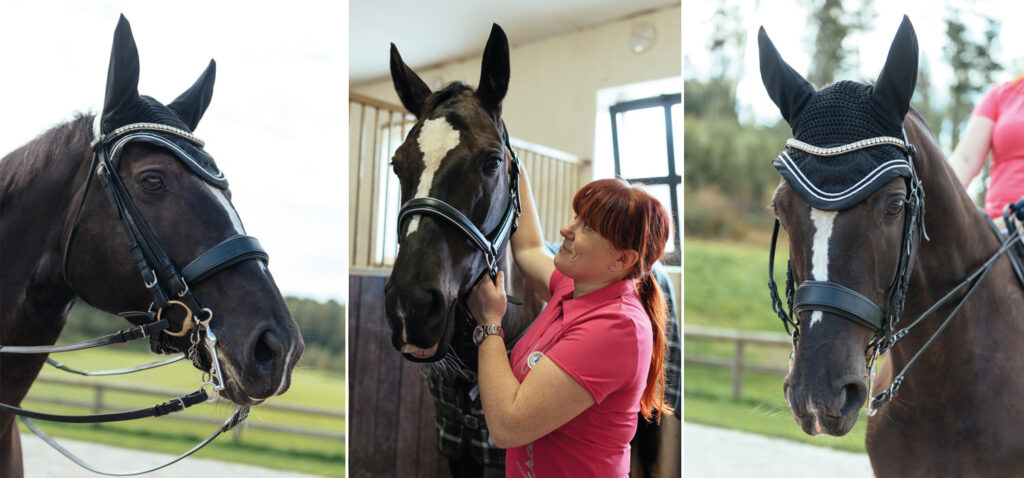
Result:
[[849, 201], [455, 155], [180, 203]]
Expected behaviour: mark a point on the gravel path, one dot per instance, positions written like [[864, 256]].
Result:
[[710, 452], [41, 461]]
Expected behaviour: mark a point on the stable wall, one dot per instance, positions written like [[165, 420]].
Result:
[[552, 98]]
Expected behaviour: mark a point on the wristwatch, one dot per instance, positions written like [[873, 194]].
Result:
[[482, 331]]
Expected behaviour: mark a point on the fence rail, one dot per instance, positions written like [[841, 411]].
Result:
[[377, 128], [98, 405], [739, 339]]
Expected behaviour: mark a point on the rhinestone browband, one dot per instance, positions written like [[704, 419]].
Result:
[[149, 127], [846, 148]]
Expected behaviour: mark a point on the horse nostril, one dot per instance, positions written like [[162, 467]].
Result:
[[855, 393], [265, 351]]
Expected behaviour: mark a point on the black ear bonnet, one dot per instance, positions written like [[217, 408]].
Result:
[[848, 137], [123, 106]]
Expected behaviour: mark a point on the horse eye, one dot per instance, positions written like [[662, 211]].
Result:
[[152, 183], [493, 162], [894, 208]]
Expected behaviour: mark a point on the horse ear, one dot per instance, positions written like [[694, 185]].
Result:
[[123, 72], [191, 105], [494, 71], [896, 82], [787, 88], [410, 88]]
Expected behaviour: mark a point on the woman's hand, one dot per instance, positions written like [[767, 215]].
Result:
[[487, 300]]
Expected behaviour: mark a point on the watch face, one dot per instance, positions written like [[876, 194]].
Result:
[[478, 334]]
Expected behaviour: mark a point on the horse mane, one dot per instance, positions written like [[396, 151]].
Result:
[[59, 141]]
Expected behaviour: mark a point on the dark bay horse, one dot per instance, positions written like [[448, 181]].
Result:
[[455, 155], [863, 247], [61, 239]]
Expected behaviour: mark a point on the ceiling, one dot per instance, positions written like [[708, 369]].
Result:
[[427, 34]]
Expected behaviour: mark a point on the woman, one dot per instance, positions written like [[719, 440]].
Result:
[[567, 403], [995, 126]]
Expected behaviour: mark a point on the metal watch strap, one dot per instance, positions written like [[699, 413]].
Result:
[[481, 332]]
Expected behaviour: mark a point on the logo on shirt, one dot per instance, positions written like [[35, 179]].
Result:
[[534, 358]]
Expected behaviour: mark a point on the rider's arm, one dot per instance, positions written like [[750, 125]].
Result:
[[969, 155], [528, 248]]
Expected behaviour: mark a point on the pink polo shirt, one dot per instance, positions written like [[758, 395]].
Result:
[[1004, 105], [603, 340]]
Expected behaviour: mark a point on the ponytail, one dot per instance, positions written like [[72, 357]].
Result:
[[652, 402]]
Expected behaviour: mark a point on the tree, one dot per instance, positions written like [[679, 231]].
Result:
[[833, 23]]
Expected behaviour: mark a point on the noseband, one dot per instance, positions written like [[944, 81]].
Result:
[[492, 245]]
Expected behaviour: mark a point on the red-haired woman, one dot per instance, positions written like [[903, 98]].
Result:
[[567, 403]]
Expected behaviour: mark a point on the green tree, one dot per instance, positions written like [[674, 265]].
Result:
[[832, 21]]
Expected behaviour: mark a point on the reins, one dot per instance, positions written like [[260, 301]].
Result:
[[169, 288]]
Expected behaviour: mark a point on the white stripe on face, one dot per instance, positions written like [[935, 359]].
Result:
[[436, 139], [228, 208], [823, 221]]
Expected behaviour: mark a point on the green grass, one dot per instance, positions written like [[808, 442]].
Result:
[[311, 388], [726, 286]]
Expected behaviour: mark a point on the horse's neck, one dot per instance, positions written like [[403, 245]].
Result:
[[39, 185], [960, 242]]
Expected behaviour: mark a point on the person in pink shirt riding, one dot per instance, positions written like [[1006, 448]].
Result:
[[995, 125], [565, 403]]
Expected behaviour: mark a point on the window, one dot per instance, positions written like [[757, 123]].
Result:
[[644, 151]]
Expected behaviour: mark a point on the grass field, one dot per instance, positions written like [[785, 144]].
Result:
[[310, 388], [727, 286]]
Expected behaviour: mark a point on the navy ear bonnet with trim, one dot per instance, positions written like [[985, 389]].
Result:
[[839, 114], [149, 110], [124, 106]]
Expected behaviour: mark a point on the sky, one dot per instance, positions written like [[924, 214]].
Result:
[[277, 124], [786, 24]]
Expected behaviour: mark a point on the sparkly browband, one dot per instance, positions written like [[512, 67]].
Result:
[[846, 148], [101, 138]]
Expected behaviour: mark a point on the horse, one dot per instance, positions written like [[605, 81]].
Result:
[[457, 156], [172, 245], [866, 253]]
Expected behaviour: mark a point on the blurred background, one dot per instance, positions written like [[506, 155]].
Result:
[[736, 355]]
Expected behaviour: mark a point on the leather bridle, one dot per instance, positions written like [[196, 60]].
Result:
[[491, 245], [169, 287]]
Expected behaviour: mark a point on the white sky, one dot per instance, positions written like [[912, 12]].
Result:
[[786, 24], [276, 126]]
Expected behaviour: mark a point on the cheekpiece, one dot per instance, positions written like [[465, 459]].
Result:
[[147, 110], [844, 148]]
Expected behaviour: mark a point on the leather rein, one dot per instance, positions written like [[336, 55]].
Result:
[[169, 288]]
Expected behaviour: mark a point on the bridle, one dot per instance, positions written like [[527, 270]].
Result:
[[491, 245], [169, 286], [839, 300]]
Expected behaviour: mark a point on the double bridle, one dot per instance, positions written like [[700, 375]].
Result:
[[492, 245], [169, 286], [837, 299]]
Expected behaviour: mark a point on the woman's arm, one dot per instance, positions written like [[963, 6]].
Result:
[[528, 243], [516, 413], [969, 155]]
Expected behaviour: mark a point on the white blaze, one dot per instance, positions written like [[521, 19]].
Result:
[[823, 221], [436, 139], [228, 208]]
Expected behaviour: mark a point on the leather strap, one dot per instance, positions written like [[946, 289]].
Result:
[[229, 252], [123, 336], [840, 300], [158, 410]]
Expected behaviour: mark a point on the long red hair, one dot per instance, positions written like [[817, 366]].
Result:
[[630, 218]]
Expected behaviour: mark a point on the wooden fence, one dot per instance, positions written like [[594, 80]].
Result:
[[98, 404], [377, 128], [739, 339]]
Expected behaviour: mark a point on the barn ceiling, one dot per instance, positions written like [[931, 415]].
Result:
[[429, 34]]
